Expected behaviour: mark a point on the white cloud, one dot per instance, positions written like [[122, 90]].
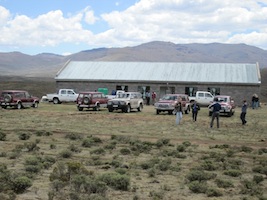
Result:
[[189, 21], [178, 21], [48, 29], [4, 15], [89, 16]]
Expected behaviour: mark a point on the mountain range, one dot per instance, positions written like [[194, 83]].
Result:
[[47, 64]]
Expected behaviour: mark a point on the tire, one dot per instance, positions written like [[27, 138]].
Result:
[[210, 113], [7, 98], [230, 113], [79, 108], [97, 108], [4, 107], [56, 100], [86, 100], [157, 112], [127, 109], [110, 110], [140, 108], [35, 105], [170, 112], [19, 106]]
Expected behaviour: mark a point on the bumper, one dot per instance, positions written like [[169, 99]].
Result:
[[164, 109], [8, 104], [85, 106], [117, 107]]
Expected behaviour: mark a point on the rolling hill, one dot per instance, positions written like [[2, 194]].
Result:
[[47, 64]]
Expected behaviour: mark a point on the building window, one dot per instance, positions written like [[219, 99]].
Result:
[[122, 87], [214, 91], [191, 91]]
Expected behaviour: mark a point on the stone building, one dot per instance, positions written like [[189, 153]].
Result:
[[239, 80]]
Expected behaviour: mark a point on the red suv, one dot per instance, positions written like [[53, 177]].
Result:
[[94, 100], [168, 101], [18, 99], [227, 104]]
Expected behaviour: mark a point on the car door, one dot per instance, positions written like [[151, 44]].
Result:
[[208, 98], [24, 98], [200, 98], [71, 95], [103, 100], [63, 95], [132, 100]]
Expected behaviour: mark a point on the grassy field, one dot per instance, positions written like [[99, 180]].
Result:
[[57, 152]]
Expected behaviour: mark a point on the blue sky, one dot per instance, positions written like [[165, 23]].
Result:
[[68, 26]]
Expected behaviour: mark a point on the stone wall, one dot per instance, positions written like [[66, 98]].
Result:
[[238, 92]]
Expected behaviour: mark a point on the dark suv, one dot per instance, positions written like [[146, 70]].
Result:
[[18, 99], [94, 100]]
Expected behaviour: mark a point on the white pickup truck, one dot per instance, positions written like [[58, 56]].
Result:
[[203, 98], [112, 96], [63, 95]]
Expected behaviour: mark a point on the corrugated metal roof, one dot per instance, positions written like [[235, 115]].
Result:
[[161, 72]]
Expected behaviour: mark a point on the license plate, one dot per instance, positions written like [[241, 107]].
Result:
[[115, 106]]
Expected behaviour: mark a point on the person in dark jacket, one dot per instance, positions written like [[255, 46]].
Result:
[[244, 112], [215, 113], [195, 108]]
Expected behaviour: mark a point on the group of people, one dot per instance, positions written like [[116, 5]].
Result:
[[178, 111], [148, 96], [255, 101]]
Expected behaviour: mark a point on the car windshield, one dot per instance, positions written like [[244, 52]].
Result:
[[169, 97], [222, 99], [123, 95]]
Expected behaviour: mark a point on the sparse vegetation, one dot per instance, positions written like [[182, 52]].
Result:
[[137, 156]]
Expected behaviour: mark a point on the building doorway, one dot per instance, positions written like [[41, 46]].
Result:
[[166, 90]]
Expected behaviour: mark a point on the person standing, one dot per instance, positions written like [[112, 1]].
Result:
[[215, 113], [178, 112], [147, 98], [253, 101], [195, 108], [244, 112], [154, 96], [256, 101]]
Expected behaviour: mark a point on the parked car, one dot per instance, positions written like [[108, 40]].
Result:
[[63, 95], [203, 98], [115, 94], [168, 101], [94, 100], [18, 99], [227, 104], [126, 102]]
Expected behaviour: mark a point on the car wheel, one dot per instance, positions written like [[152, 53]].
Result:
[[56, 101], [110, 110], [35, 105], [140, 108], [210, 113], [79, 108], [97, 108], [19, 106], [170, 112], [230, 113], [157, 112], [128, 109], [4, 107]]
